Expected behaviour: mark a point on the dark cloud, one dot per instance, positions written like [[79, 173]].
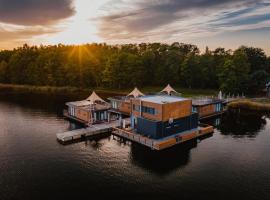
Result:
[[147, 16], [34, 12]]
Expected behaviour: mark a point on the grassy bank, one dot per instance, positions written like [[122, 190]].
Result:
[[11, 88], [256, 104]]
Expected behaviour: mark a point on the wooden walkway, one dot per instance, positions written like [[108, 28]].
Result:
[[164, 143], [94, 130]]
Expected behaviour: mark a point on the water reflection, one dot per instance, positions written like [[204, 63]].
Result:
[[162, 162], [240, 123]]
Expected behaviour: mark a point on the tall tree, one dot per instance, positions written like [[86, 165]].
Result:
[[235, 74]]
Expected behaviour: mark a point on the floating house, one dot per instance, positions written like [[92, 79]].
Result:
[[208, 107], [121, 105], [89, 111], [161, 121], [160, 116]]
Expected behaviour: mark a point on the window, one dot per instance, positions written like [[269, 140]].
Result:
[[136, 108], [218, 107], [114, 104], [145, 109], [149, 110]]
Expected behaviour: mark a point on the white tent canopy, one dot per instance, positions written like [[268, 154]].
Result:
[[168, 89], [93, 98], [136, 93], [220, 96]]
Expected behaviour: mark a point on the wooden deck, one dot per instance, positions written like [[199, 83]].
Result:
[[212, 115], [94, 130], [160, 144]]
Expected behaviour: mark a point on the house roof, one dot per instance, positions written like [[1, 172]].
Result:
[[162, 99], [168, 89], [93, 98], [79, 103], [136, 93], [204, 102]]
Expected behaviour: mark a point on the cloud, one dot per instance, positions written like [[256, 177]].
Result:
[[14, 35], [35, 12], [174, 20]]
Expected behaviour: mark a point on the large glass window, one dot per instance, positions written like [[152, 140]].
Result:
[[149, 110]]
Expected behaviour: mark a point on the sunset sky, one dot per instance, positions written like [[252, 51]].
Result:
[[227, 23]]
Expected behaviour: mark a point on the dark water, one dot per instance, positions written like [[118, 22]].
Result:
[[234, 163]]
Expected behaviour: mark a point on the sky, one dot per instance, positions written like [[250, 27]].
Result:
[[212, 23]]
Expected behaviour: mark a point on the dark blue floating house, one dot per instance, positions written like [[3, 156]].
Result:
[[161, 121]]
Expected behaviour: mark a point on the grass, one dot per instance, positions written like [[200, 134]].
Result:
[[11, 88], [256, 104]]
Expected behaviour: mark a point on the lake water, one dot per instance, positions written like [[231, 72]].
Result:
[[234, 163]]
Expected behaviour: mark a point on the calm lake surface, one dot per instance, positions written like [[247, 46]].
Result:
[[234, 163]]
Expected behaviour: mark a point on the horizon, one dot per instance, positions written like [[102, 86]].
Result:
[[227, 24], [201, 51]]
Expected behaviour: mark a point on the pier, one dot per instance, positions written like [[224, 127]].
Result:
[[93, 130]]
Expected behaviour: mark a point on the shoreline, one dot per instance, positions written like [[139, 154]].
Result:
[[13, 88], [256, 104]]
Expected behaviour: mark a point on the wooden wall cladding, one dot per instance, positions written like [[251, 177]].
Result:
[[82, 114], [157, 107], [206, 110], [125, 107], [176, 110], [165, 112]]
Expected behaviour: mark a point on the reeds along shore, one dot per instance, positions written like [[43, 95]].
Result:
[[249, 104], [10, 88]]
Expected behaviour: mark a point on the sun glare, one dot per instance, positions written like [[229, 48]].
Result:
[[81, 28]]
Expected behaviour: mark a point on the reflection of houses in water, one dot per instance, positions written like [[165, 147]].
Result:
[[162, 162], [214, 121], [217, 122], [166, 161], [242, 123]]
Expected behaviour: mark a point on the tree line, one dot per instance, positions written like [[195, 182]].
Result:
[[245, 70]]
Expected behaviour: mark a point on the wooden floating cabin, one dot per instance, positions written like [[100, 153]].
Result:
[[208, 107], [90, 111], [161, 121], [95, 110]]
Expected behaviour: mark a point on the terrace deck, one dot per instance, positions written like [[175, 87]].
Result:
[[160, 144]]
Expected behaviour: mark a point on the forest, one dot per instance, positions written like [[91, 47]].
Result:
[[245, 70]]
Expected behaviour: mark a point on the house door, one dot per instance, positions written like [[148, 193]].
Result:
[[218, 107], [101, 116]]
